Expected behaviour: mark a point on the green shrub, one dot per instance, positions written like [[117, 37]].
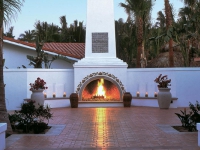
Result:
[[190, 120], [30, 118]]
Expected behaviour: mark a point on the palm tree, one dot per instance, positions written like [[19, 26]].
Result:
[[8, 10], [125, 41], [189, 21], [190, 3], [168, 14], [28, 36], [41, 30], [78, 31], [64, 31], [47, 32], [161, 20], [140, 10], [10, 32]]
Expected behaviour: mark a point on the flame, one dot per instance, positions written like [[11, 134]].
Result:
[[100, 88]]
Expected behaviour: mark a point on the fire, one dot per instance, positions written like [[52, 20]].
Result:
[[100, 89]]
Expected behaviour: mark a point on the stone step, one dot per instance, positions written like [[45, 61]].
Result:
[[100, 104], [136, 101]]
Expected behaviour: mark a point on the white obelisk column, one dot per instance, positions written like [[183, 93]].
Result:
[[100, 29], [100, 47]]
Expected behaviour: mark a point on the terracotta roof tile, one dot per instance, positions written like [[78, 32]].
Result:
[[75, 50]]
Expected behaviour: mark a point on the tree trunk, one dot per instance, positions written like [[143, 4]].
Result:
[[3, 111], [139, 51], [139, 40], [171, 53], [169, 24]]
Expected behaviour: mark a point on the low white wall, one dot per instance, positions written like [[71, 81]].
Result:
[[3, 128], [17, 84], [185, 84]]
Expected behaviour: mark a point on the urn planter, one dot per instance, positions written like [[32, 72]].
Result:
[[164, 98], [38, 97], [127, 98], [74, 100]]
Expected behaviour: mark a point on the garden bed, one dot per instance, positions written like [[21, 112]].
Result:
[[182, 129], [20, 131], [30, 119]]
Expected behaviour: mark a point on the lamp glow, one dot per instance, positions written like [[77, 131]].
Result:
[[146, 94], [54, 95], [138, 94], [64, 94]]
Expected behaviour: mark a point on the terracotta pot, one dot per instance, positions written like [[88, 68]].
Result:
[[38, 97], [127, 98], [74, 100], [164, 98]]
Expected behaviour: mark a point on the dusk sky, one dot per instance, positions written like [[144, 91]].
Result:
[[51, 10]]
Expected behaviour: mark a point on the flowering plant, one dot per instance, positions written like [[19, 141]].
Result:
[[39, 84], [163, 81]]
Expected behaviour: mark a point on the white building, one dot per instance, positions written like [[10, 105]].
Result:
[[15, 53]]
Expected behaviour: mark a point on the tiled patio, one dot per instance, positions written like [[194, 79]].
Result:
[[135, 128]]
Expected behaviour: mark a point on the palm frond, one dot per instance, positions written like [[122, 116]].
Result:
[[10, 9]]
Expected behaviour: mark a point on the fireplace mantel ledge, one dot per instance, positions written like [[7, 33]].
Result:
[[153, 98], [100, 62]]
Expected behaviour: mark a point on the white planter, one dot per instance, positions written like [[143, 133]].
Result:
[[164, 98], [3, 128], [38, 97]]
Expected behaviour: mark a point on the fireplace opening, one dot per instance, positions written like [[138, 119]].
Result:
[[101, 90]]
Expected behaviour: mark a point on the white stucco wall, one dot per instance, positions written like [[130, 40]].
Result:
[[185, 83], [17, 83], [142, 80], [15, 56], [15, 89]]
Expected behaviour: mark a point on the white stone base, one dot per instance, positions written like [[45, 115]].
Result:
[[198, 128], [150, 102], [57, 103], [3, 128]]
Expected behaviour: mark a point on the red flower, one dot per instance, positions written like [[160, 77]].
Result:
[[163, 81], [39, 84]]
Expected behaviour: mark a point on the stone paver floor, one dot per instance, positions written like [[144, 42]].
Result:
[[135, 128]]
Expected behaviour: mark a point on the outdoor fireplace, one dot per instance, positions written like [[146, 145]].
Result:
[[101, 90], [100, 61], [100, 86]]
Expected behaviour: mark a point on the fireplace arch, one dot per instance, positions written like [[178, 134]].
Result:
[[100, 75]]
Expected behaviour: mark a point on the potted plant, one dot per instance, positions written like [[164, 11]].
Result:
[[164, 95], [37, 89]]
